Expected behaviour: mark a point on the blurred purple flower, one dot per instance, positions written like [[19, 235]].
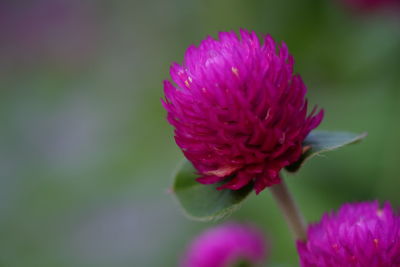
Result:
[[226, 245], [370, 5], [358, 235], [56, 31], [239, 112]]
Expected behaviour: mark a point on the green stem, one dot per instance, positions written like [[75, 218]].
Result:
[[290, 210]]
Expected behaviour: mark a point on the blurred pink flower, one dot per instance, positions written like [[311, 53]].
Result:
[[358, 235], [225, 245], [239, 112], [61, 32], [370, 5]]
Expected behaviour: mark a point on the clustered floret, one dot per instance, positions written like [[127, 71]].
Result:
[[358, 235], [239, 112]]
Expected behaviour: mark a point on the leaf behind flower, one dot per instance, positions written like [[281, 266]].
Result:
[[204, 202], [318, 142]]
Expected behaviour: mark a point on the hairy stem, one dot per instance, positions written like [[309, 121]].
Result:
[[290, 210]]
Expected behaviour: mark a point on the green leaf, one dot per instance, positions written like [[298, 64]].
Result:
[[204, 202], [318, 142], [242, 263]]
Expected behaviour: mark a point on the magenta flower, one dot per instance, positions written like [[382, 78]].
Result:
[[239, 112], [358, 235], [226, 245]]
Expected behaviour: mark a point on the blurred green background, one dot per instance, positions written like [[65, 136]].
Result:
[[86, 153]]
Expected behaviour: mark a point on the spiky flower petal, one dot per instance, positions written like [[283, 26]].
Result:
[[239, 112]]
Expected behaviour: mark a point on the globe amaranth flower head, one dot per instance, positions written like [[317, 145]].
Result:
[[239, 112], [358, 235], [226, 245]]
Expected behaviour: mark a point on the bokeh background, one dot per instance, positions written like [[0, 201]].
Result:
[[86, 154]]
